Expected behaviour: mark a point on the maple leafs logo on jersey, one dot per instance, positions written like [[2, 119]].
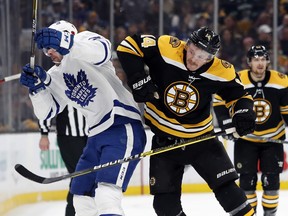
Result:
[[79, 90]]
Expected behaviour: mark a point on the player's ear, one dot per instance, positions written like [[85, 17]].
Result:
[[248, 62]]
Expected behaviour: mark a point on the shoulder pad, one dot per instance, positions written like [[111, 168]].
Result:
[[220, 70], [278, 78], [172, 50]]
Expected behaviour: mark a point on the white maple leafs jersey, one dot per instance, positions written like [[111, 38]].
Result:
[[87, 80]]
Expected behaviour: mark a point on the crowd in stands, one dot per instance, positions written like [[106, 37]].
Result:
[[241, 23]]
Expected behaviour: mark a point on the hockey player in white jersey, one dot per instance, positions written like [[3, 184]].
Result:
[[83, 76]]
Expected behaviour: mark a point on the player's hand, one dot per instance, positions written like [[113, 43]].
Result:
[[50, 38], [38, 71], [144, 90], [44, 143], [30, 80], [244, 121]]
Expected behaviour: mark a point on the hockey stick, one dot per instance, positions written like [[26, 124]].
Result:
[[268, 139], [34, 24], [9, 78], [42, 180]]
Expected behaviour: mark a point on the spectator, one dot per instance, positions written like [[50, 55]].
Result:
[[230, 48], [93, 23], [264, 36], [280, 28]]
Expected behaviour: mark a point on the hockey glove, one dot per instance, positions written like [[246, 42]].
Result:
[[144, 90], [30, 81], [34, 79], [39, 72], [244, 121], [50, 38]]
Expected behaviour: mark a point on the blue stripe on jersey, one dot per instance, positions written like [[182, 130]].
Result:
[[106, 54], [119, 120], [51, 110]]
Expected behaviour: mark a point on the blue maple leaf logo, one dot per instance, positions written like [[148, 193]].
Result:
[[79, 90]]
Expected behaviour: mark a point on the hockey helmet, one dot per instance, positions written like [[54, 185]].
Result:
[[205, 39], [63, 26], [256, 51]]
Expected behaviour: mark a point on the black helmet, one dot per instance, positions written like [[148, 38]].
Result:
[[205, 39], [256, 51]]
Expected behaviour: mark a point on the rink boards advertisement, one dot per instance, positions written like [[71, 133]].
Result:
[[23, 149]]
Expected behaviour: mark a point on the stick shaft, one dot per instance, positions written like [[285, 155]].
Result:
[[9, 78], [42, 180], [268, 139], [34, 24]]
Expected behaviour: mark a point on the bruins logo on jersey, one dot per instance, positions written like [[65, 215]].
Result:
[[281, 75], [226, 64], [181, 98], [263, 110], [175, 42]]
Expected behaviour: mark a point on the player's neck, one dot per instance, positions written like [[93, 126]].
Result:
[[256, 78]]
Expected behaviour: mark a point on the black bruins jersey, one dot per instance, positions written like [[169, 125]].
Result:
[[270, 103], [184, 107]]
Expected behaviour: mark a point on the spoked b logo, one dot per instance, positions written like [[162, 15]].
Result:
[[181, 98]]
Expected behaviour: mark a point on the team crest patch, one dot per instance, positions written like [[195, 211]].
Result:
[[79, 89], [181, 98], [226, 64], [281, 75]]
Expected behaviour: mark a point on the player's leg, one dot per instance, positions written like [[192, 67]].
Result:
[[83, 187], [115, 143], [71, 149], [271, 165], [246, 156], [85, 205], [215, 166], [165, 182]]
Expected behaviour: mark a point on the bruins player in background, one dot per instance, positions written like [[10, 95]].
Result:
[[269, 89], [177, 93]]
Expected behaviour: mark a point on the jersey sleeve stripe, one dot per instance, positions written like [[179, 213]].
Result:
[[130, 46], [106, 54]]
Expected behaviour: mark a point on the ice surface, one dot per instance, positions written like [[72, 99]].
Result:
[[193, 204]]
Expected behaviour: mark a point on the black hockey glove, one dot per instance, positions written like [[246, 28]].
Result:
[[244, 121], [144, 90]]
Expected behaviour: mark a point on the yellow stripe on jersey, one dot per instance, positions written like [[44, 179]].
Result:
[[271, 133], [130, 46], [220, 70], [250, 213], [173, 127], [245, 79], [284, 110], [277, 80], [172, 50], [218, 101]]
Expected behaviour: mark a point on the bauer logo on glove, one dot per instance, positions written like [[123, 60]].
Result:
[[50, 38]]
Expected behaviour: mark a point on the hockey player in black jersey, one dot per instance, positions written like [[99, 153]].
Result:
[[177, 92], [269, 89]]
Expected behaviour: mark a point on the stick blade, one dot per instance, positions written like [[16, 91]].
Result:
[[28, 174]]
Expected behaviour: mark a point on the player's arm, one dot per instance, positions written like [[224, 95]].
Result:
[[44, 126], [132, 53], [221, 112], [93, 49], [284, 101], [240, 105]]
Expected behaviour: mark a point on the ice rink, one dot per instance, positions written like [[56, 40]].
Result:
[[194, 204]]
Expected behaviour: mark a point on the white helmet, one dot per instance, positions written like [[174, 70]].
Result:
[[63, 26]]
